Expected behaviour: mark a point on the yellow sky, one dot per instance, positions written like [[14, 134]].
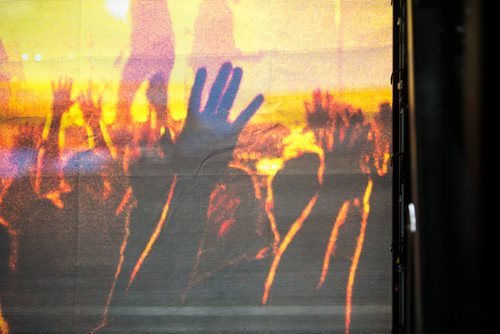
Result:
[[301, 44]]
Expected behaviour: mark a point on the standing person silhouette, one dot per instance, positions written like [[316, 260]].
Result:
[[214, 41], [152, 45]]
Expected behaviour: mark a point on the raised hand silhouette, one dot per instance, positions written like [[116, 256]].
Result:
[[319, 116], [91, 110], [92, 113], [208, 135], [318, 111], [61, 93]]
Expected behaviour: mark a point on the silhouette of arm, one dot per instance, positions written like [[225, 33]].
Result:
[[208, 136], [48, 171], [92, 112], [61, 93]]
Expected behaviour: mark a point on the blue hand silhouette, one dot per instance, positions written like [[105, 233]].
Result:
[[207, 132]]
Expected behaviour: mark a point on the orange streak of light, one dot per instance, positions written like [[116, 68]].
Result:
[[262, 253], [342, 135], [62, 139], [107, 189], [123, 246], [297, 225], [256, 188], [38, 172], [382, 168], [220, 208], [225, 226], [126, 160], [155, 235], [226, 208], [332, 241], [212, 204], [321, 168], [54, 197], [64, 187], [381, 152], [357, 254], [4, 326], [109, 142], [330, 139], [321, 137], [269, 210], [13, 244], [124, 201]]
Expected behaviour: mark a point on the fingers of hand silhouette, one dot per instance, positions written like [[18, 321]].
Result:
[[220, 101]]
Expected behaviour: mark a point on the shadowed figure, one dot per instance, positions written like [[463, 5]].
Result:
[[337, 237], [214, 41], [157, 97], [173, 196], [67, 243], [4, 80], [152, 52], [236, 239], [16, 194]]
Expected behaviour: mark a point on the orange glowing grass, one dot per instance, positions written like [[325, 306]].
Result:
[[4, 326], [297, 225], [123, 246], [13, 243], [155, 234], [333, 240], [357, 254]]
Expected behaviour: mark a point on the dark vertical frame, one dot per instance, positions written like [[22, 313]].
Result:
[[440, 142], [399, 97]]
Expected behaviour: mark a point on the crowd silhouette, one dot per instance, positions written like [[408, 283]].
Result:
[[171, 213], [89, 214]]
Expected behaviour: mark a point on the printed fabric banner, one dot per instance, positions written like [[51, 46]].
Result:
[[195, 166]]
